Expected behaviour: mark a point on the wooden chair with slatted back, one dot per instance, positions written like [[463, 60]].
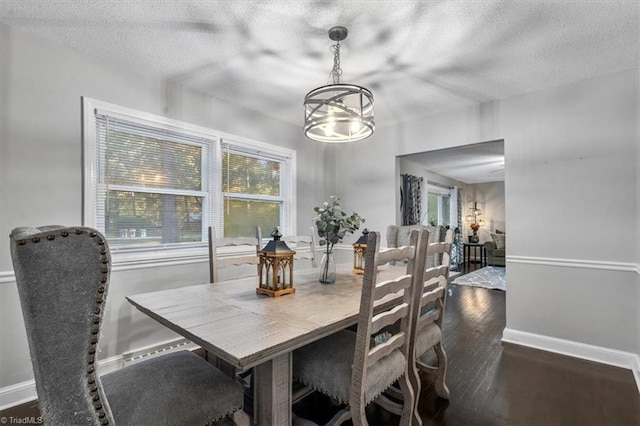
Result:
[[243, 376], [428, 319], [216, 263], [355, 367], [303, 245]]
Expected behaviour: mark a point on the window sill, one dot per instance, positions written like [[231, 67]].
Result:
[[131, 259]]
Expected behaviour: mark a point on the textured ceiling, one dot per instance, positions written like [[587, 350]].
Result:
[[417, 57]]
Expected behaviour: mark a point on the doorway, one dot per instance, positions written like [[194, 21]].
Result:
[[462, 185]]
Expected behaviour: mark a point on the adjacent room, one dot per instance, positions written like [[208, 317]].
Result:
[[339, 212]]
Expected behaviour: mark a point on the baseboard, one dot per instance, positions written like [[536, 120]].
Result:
[[585, 351], [16, 394]]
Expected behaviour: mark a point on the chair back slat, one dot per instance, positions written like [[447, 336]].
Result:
[[395, 342], [392, 286], [435, 272], [429, 317], [225, 262], [395, 254], [237, 241], [216, 263], [303, 245], [432, 295], [387, 318]]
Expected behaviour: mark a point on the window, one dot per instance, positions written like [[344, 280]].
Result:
[[252, 189], [438, 207], [155, 183]]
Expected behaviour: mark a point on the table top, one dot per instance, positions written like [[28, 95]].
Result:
[[234, 323], [473, 244]]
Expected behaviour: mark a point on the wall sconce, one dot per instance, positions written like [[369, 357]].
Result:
[[275, 269], [359, 252]]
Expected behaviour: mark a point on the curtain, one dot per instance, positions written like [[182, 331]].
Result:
[[411, 199], [456, 250]]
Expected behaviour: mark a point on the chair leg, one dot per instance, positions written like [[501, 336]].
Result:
[[240, 418], [441, 387], [342, 416], [410, 414]]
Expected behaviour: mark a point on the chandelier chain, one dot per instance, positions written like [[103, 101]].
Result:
[[336, 72]]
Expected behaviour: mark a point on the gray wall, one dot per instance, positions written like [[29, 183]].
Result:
[[41, 85], [571, 179], [571, 200], [638, 231]]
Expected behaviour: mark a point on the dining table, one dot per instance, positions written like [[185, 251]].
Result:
[[248, 330]]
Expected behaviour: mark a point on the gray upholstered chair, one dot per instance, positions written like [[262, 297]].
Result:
[[62, 276], [216, 263], [356, 367], [496, 249], [428, 319], [398, 235]]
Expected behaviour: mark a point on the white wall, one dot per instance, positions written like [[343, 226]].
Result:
[[571, 198], [41, 85]]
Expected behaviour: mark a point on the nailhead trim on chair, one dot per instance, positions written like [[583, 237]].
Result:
[[91, 378]]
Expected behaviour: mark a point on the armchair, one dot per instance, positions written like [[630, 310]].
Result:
[[398, 236], [496, 249], [62, 275]]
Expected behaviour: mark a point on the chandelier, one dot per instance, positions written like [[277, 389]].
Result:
[[338, 112]]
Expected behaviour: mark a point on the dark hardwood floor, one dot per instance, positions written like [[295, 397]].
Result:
[[492, 383]]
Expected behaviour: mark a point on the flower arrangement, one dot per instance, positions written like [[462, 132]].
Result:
[[475, 227], [333, 224]]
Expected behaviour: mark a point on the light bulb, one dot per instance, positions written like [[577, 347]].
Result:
[[328, 129], [355, 126]]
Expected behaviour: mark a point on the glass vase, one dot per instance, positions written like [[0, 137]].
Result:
[[327, 271]]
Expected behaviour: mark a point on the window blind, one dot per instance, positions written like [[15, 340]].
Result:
[[152, 188]]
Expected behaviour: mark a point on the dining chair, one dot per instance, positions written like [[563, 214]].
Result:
[[243, 376], [303, 245], [355, 367], [428, 318], [63, 275], [216, 263]]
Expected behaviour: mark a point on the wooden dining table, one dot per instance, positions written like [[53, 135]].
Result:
[[229, 320]]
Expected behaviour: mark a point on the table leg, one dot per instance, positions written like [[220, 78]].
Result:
[[272, 392]]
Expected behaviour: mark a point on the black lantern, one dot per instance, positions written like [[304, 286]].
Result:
[[276, 267], [359, 252]]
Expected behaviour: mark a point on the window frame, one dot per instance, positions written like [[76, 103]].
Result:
[[287, 184], [132, 257]]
